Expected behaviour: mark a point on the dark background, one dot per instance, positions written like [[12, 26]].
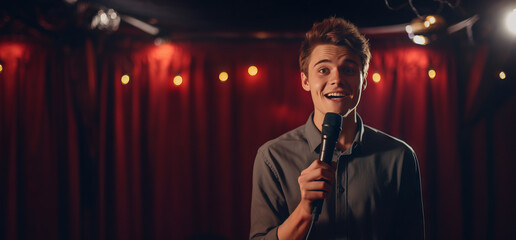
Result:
[[83, 156]]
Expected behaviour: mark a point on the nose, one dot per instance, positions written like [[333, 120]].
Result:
[[336, 77]]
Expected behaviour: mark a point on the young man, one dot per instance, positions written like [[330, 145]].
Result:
[[371, 191]]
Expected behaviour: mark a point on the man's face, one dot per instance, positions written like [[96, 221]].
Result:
[[335, 80]]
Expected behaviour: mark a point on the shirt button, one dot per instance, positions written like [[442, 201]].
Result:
[[341, 189]]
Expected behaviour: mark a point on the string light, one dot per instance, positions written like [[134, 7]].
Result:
[[502, 75], [1, 68], [431, 73], [253, 70], [376, 77], [125, 79], [223, 76], [178, 80]]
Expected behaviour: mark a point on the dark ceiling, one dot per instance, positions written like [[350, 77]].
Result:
[[203, 16], [284, 15]]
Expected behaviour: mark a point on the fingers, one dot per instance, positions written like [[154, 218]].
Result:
[[315, 195], [318, 186], [319, 170], [315, 182]]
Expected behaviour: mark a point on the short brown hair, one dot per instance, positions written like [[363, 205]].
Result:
[[335, 31]]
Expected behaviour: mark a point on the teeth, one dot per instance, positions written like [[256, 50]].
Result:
[[335, 94]]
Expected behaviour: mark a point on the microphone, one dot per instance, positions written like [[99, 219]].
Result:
[[332, 125]]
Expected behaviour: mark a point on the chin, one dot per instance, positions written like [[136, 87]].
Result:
[[341, 111]]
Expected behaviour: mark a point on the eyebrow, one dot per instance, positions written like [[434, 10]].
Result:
[[321, 61], [348, 60]]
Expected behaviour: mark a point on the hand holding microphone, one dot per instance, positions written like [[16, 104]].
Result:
[[331, 128], [316, 181]]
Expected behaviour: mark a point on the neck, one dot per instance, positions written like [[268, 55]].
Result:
[[349, 128]]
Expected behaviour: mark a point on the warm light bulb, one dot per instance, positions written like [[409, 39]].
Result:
[[427, 23], [502, 75], [125, 79], [431, 19], [253, 70], [419, 39], [223, 76], [178, 80], [377, 77], [431, 73], [1, 68], [510, 21]]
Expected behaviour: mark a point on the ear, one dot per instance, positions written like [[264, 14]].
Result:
[[304, 82]]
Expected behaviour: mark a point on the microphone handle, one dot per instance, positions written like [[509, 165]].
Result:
[[326, 156], [327, 148]]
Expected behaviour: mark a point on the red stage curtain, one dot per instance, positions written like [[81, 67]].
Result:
[[422, 111], [86, 157]]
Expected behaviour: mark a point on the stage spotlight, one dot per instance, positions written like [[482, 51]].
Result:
[[409, 31], [421, 30], [420, 39], [431, 19], [510, 21], [106, 20]]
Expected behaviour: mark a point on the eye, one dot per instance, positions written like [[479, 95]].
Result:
[[323, 70], [349, 70]]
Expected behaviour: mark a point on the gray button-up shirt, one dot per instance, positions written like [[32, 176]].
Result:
[[376, 195]]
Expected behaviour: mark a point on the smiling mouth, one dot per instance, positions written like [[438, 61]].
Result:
[[336, 95]]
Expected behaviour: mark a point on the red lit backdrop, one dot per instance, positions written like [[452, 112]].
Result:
[[84, 156]]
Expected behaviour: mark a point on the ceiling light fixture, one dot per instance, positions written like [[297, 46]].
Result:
[[510, 21], [108, 20], [422, 30]]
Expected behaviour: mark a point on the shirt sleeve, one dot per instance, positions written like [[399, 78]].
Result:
[[268, 202], [409, 217]]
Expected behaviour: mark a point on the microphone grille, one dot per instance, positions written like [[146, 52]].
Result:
[[332, 125]]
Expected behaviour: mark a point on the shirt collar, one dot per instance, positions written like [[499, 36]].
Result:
[[313, 135]]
